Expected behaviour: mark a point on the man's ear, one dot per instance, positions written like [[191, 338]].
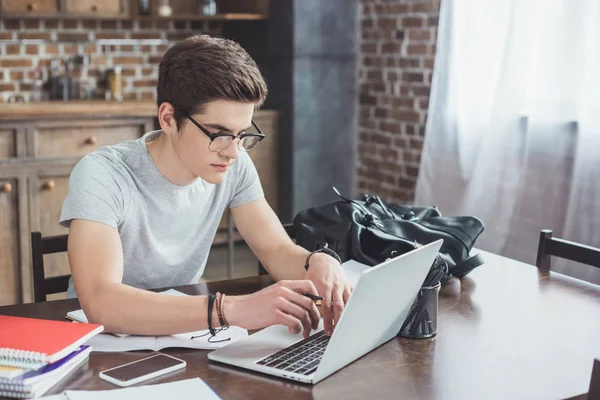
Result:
[[166, 118]]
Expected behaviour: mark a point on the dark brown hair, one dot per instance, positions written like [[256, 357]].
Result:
[[201, 69]]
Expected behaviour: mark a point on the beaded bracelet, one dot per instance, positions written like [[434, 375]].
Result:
[[211, 300]]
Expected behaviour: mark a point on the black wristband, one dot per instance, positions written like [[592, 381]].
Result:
[[325, 250], [211, 301]]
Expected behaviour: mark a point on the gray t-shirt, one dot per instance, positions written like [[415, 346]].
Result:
[[166, 230]]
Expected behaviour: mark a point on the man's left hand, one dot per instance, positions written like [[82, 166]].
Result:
[[332, 284]]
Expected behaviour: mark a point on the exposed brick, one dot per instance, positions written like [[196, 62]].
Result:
[[17, 75], [145, 35], [146, 24], [89, 24], [416, 49], [425, 7], [408, 116], [146, 95], [89, 48], [179, 25], [390, 47], [31, 23], [375, 75], [368, 48], [108, 24], [7, 87], [32, 49], [18, 62], [412, 22], [128, 72], [128, 60], [155, 59], [72, 37], [408, 62], [12, 24], [5, 36], [51, 49], [51, 24], [70, 49], [433, 20], [147, 71], [70, 24], [413, 76], [34, 35], [419, 35], [110, 35], [12, 49], [177, 36], [126, 24]]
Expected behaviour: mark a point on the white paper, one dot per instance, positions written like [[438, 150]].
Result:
[[194, 388], [353, 270], [108, 342]]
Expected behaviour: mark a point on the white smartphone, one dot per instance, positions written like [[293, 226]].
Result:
[[142, 370]]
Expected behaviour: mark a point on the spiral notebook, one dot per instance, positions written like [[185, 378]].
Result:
[[30, 343]]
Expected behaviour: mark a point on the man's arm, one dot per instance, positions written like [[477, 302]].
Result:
[[283, 259], [96, 259]]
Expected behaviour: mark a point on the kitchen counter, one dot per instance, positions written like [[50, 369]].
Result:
[[80, 108]]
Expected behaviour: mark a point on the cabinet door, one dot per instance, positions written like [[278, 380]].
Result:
[[28, 7], [49, 192], [94, 7], [10, 260]]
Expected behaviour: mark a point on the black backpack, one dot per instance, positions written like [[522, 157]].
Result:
[[371, 231]]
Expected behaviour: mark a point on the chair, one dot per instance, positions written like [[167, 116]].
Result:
[[594, 392], [289, 228], [43, 286], [551, 246]]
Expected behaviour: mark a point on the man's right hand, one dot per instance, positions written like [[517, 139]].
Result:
[[280, 304]]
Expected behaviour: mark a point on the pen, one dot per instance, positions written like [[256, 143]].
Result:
[[313, 297]]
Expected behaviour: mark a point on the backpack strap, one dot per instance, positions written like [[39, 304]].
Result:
[[464, 267]]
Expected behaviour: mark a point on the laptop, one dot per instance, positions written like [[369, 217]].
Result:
[[373, 315]]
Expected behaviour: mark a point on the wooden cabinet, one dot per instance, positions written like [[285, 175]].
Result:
[[10, 259], [28, 7], [36, 158], [93, 8]]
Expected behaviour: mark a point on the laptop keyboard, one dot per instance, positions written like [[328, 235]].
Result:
[[302, 357]]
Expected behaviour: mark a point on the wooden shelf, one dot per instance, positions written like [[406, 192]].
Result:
[[200, 17]]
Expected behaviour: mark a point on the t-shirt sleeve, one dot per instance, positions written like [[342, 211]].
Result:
[[247, 187], [97, 192]]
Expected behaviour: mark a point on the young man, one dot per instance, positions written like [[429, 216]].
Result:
[[142, 214]]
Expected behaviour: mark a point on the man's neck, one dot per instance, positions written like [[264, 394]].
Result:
[[168, 162]]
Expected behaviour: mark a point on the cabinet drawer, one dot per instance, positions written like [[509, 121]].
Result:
[[24, 7], [8, 148], [65, 141], [93, 6]]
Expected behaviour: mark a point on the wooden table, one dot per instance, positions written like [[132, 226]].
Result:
[[507, 331]]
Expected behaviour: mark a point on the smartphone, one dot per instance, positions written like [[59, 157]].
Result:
[[142, 370]]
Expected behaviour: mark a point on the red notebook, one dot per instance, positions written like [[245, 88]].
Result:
[[40, 339]]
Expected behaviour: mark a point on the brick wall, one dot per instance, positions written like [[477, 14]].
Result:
[[18, 62], [397, 45]]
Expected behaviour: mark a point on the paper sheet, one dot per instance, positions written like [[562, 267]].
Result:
[[194, 388]]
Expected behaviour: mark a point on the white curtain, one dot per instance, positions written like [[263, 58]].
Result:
[[513, 129]]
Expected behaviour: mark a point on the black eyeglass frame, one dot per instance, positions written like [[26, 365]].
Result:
[[214, 136]]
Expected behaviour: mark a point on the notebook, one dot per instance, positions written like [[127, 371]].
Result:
[[11, 372], [193, 340], [36, 383], [39, 340]]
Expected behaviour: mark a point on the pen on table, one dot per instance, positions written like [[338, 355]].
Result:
[[313, 297]]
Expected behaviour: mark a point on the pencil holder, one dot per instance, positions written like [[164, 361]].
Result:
[[421, 322]]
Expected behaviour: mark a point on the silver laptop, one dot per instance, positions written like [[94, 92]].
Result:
[[373, 315]]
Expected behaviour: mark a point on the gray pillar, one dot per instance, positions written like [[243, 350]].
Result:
[[308, 52]]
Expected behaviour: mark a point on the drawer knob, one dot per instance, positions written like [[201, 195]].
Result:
[[94, 8], [31, 6], [92, 140], [49, 185], [6, 188]]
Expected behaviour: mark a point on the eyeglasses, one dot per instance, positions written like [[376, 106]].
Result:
[[220, 141]]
